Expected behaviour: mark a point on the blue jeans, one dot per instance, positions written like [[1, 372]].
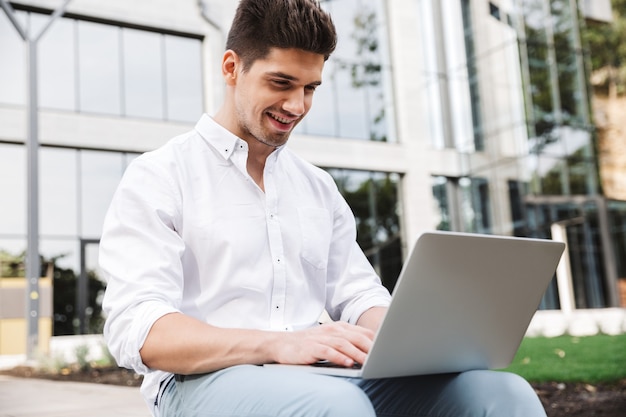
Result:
[[256, 391]]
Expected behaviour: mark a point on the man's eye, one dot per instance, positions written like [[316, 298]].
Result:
[[281, 83]]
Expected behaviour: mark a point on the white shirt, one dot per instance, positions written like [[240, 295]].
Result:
[[189, 231]]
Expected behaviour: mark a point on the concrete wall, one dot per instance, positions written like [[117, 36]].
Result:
[[13, 325]]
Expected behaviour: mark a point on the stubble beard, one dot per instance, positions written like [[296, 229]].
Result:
[[269, 142], [275, 140]]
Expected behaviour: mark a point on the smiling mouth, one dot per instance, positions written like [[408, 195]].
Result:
[[280, 119]]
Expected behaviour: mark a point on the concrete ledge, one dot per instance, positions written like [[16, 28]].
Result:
[[551, 323], [11, 361], [64, 348]]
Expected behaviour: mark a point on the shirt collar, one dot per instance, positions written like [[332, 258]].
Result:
[[217, 136], [222, 139]]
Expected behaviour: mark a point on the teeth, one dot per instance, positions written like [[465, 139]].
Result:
[[280, 119]]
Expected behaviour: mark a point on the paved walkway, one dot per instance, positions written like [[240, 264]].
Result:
[[30, 397]]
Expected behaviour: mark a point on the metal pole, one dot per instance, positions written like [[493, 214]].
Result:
[[83, 292], [33, 265], [8, 10]]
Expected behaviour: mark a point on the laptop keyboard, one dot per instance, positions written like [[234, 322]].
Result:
[[329, 364]]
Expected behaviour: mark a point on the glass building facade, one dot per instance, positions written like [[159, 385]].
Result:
[[356, 101], [530, 168], [94, 66], [505, 144]]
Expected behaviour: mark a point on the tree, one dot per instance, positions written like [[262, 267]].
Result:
[[11, 266]]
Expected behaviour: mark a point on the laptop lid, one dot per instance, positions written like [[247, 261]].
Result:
[[461, 302]]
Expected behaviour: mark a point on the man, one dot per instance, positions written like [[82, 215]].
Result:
[[222, 249]]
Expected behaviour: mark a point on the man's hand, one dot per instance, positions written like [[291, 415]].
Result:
[[338, 342]]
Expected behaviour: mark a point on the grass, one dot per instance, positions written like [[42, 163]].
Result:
[[590, 359]]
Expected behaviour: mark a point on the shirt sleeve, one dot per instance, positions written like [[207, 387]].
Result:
[[140, 255], [353, 285]]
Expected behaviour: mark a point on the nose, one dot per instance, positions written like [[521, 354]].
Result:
[[296, 103]]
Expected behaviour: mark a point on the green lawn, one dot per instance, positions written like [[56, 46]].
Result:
[[592, 359]]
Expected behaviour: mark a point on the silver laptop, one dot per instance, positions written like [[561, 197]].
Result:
[[461, 302]]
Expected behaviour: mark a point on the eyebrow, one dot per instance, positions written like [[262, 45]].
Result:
[[289, 77]]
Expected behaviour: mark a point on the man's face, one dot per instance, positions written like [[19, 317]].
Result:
[[275, 94]]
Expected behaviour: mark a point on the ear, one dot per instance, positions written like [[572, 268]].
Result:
[[231, 65]]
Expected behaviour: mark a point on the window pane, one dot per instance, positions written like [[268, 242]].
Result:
[[183, 69], [442, 210], [378, 111], [373, 197], [552, 176], [360, 69], [65, 252], [143, 76], [100, 175], [564, 28], [12, 247], [99, 68], [359, 104], [57, 67], [322, 118], [351, 106], [13, 67], [353, 32], [475, 204], [58, 187], [13, 186], [617, 226], [472, 73], [539, 66]]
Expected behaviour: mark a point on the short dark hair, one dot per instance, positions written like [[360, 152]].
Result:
[[260, 25]]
